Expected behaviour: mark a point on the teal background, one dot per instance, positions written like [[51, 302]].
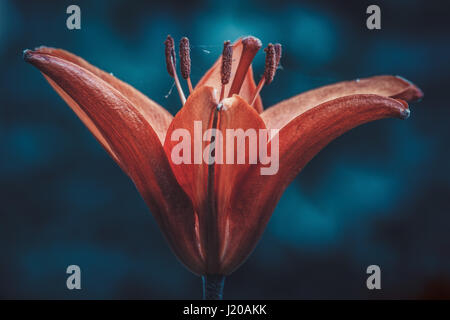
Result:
[[377, 195]]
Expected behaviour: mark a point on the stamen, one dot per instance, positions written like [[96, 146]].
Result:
[[185, 61], [170, 55], [251, 45], [270, 68], [185, 58], [273, 56], [258, 90], [227, 56], [170, 63], [278, 53]]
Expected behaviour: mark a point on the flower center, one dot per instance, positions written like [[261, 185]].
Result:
[[250, 46]]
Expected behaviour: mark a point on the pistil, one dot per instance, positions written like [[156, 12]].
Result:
[[170, 63], [251, 45]]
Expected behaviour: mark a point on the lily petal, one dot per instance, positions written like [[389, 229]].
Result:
[[86, 120], [211, 205], [387, 86], [197, 111], [212, 77], [158, 117], [192, 173], [299, 141], [134, 142], [236, 115]]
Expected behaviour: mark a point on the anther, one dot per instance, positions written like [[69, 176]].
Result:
[[271, 66], [185, 61], [170, 55], [278, 51], [225, 71], [273, 56], [171, 63], [227, 55]]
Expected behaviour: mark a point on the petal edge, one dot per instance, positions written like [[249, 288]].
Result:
[[396, 87], [300, 140], [136, 145]]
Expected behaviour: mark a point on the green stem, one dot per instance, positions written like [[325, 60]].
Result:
[[213, 286]]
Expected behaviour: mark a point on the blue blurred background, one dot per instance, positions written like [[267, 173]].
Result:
[[377, 195]]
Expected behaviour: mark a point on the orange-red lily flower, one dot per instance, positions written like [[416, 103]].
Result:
[[214, 214]]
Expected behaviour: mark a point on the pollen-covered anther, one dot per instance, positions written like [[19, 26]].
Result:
[[170, 55], [227, 56], [271, 63], [185, 61], [278, 52], [273, 57], [185, 58], [225, 70], [171, 62]]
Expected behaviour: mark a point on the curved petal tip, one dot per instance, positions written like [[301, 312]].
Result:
[[405, 114], [29, 55], [33, 57], [26, 54], [413, 93]]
